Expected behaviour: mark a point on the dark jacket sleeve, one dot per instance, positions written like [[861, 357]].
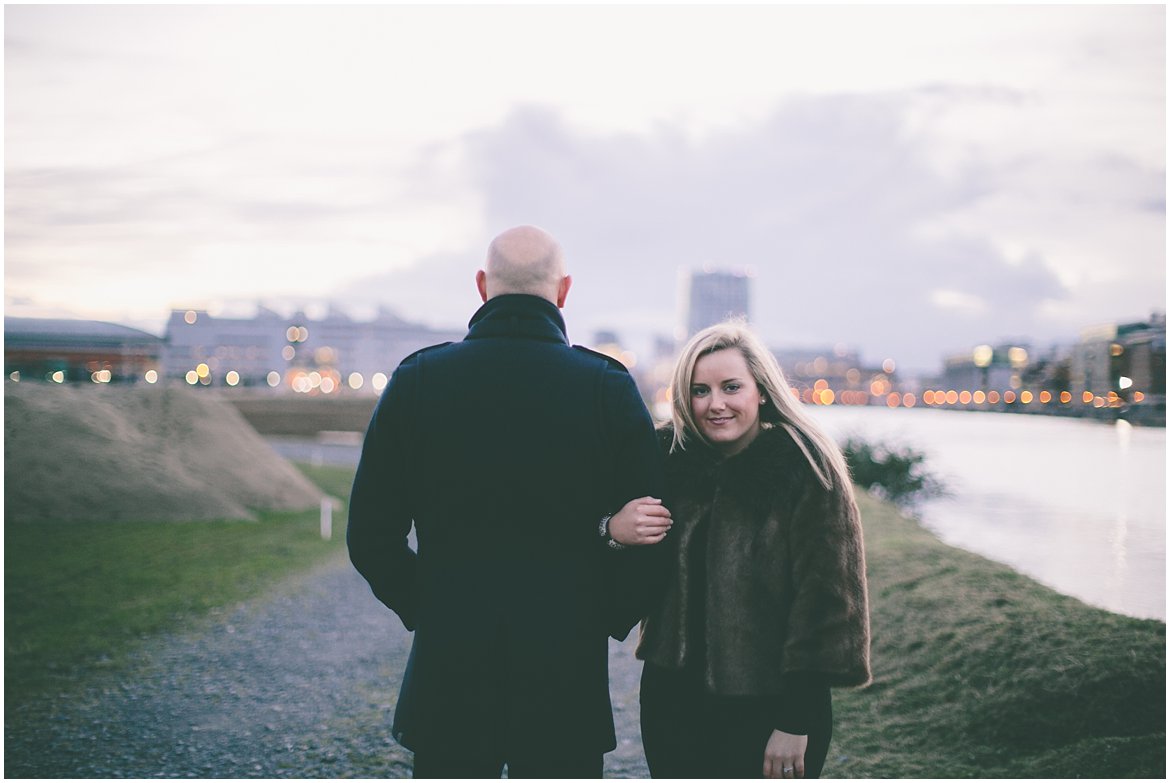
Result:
[[828, 624], [380, 515], [635, 573]]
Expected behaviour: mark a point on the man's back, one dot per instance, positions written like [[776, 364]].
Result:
[[504, 449]]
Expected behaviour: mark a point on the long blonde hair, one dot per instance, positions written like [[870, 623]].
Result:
[[779, 410]]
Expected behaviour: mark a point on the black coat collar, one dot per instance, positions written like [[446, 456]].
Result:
[[518, 316]]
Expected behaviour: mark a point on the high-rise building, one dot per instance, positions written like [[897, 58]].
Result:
[[714, 296]]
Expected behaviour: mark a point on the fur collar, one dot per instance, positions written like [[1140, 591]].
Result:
[[771, 465]]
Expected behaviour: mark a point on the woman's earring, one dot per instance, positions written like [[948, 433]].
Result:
[[763, 400]]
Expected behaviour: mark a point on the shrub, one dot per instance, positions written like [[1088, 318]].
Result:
[[894, 472]]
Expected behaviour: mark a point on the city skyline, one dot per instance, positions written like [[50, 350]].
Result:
[[925, 178]]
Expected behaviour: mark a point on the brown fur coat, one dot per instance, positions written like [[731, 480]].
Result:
[[785, 583]]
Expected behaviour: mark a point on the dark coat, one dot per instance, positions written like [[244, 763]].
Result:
[[504, 450], [785, 571]]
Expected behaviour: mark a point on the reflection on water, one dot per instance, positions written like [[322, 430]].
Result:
[[1078, 505]]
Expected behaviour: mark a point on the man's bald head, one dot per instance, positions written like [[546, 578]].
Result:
[[524, 260]]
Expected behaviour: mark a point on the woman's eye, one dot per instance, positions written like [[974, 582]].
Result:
[[731, 388], [698, 391]]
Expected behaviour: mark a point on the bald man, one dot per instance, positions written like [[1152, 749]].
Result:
[[504, 450]]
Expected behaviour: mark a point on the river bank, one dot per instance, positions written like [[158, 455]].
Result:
[[980, 671]]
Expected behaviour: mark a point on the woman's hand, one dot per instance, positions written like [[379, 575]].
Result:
[[641, 521], [784, 755]]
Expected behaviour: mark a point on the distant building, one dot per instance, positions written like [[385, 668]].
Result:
[[712, 297], [299, 353], [986, 368], [1128, 360], [68, 350], [814, 371]]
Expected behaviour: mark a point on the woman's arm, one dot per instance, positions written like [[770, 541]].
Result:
[[828, 622]]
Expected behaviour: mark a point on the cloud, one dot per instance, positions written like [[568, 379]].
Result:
[[822, 201]]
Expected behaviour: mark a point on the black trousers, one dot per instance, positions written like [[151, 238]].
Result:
[[689, 733], [457, 763]]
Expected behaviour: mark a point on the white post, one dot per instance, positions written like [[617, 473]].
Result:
[[327, 518]]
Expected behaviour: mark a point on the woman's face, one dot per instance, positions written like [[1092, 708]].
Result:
[[725, 400]]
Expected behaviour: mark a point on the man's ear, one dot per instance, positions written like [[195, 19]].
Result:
[[563, 289], [481, 284]]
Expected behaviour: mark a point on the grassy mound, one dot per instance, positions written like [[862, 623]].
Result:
[[982, 672], [144, 453]]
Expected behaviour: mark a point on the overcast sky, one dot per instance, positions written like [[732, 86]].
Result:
[[908, 181]]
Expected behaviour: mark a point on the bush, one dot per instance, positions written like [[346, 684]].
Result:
[[894, 472]]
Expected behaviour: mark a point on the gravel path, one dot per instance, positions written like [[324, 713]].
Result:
[[300, 684]]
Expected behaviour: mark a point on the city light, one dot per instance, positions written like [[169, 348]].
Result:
[[202, 370], [232, 378], [1009, 397], [1045, 397], [888, 366], [993, 397], [1088, 397], [379, 381], [297, 334], [1124, 383], [908, 400], [979, 397], [327, 385], [1138, 396], [151, 376], [192, 377], [273, 379], [1066, 397], [892, 400], [15, 376], [356, 380], [1025, 397], [58, 377], [982, 355], [190, 316], [964, 397], [928, 397], [288, 352]]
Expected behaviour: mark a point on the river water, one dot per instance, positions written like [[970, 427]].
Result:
[[1077, 505]]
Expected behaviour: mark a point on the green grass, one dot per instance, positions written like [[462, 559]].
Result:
[[78, 596], [982, 672]]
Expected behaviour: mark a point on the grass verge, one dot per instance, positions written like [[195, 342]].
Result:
[[982, 672], [77, 596]]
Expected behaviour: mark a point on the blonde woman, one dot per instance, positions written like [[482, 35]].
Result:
[[765, 606]]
